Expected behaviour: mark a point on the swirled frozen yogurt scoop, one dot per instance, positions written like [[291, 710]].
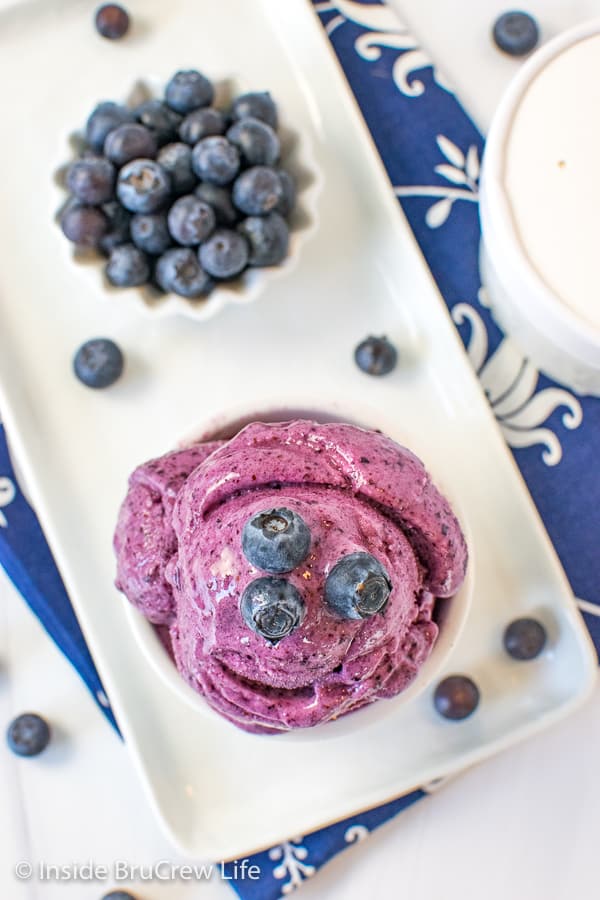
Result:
[[296, 565]]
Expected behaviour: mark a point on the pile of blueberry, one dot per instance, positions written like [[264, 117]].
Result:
[[179, 194]]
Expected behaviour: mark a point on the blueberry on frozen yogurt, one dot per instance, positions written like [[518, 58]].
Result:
[[358, 586], [272, 607], [276, 540]]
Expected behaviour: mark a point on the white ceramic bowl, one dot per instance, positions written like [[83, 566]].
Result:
[[296, 156], [451, 615], [540, 190]]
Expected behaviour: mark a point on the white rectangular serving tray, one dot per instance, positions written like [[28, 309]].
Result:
[[361, 273]]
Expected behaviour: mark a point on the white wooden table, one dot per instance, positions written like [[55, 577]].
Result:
[[523, 825]]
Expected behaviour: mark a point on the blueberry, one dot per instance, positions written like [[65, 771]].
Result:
[[202, 123], [127, 266], [257, 105], [28, 735], [159, 119], [524, 639], [357, 587], [176, 159], [220, 200], [268, 238], [276, 540], [112, 21], [456, 697], [106, 117], [214, 159], [190, 220], [272, 607], [91, 180], [118, 227], [257, 142], [516, 33], [179, 270], [376, 356], [143, 186], [150, 232], [98, 363], [119, 895], [84, 225], [189, 90], [129, 141], [257, 191], [288, 196], [224, 254]]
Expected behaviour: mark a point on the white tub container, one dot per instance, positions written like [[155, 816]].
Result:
[[540, 209]]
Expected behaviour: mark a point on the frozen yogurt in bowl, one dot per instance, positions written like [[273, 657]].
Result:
[[295, 572]]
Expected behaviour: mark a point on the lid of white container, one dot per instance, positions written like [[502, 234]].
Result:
[[540, 194]]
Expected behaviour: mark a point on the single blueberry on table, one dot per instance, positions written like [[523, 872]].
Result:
[[288, 196], [176, 159], [188, 90], [272, 607], [524, 639], [456, 697], [220, 200], [268, 238], [224, 254], [276, 540], [118, 227], [216, 160], [179, 271], [129, 141], [256, 105], [190, 220], [91, 180], [516, 33], [84, 225], [257, 142], [119, 895], [127, 266], [28, 735], [105, 118], [143, 186], [150, 232], [112, 21], [202, 123], [158, 118], [257, 191], [357, 587], [376, 356], [98, 363]]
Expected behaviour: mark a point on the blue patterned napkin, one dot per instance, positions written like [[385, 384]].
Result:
[[432, 154]]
